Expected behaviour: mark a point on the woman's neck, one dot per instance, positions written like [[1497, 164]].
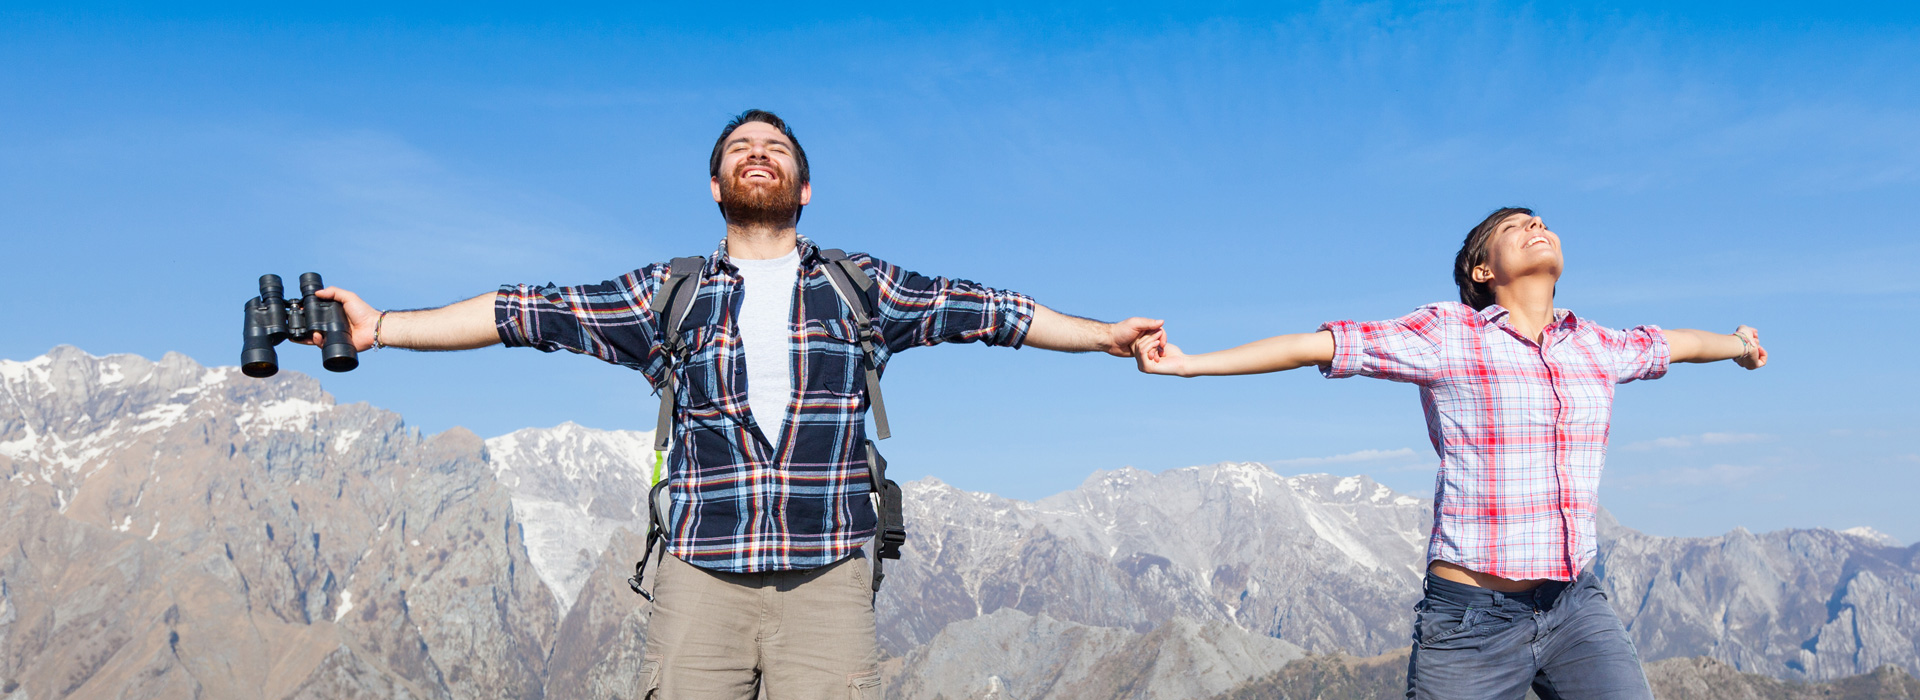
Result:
[[1529, 304]]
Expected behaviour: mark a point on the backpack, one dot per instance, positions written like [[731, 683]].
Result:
[[672, 301]]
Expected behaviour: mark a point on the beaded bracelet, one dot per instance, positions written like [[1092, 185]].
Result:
[[1746, 346], [376, 330]]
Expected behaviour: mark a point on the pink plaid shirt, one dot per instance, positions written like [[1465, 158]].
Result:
[[1521, 428]]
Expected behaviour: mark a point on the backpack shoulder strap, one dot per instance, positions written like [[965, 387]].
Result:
[[670, 305], [852, 284], [854, 287], [679, 272], [671, 302]]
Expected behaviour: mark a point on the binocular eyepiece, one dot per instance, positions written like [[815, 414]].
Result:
[[271, 319]]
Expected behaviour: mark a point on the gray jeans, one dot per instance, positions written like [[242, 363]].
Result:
[[806, 635], [1562, 638]]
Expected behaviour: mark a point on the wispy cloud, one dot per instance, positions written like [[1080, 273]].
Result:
[[1360, 456], [1685, 441]]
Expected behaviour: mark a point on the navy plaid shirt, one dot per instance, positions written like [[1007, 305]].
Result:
[[740, 502]]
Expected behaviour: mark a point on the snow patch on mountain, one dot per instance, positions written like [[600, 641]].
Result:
[[572, 487], [1872, 535], [285, 414]]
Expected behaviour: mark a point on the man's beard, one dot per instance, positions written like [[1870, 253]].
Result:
[[745, 204]]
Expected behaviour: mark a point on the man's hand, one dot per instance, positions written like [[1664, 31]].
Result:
[[1125, 334], [360, 318]]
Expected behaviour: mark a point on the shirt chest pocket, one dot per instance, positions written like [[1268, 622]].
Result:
[[835, 364], [704, 365]]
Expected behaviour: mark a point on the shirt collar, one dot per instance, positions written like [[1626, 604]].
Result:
[[1495, 315], [720, 262]]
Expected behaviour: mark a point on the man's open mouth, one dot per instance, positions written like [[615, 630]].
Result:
[[758, 172]]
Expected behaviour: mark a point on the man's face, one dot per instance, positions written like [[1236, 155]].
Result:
[[758, 181], [1520, 246]]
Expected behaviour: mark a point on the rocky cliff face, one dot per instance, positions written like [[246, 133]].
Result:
[[178, 531], [1801, 604]]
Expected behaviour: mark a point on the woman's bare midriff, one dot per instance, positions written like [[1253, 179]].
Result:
[[1460, 574]]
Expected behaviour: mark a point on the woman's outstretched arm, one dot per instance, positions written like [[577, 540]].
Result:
[[1277, 354]]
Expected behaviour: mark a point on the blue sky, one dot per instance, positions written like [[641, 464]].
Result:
[[1241, 170]]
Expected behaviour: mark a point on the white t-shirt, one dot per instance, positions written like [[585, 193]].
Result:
[[766, 339]]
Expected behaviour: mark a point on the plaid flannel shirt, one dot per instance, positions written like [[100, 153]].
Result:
[[739, 502], [1521, 428]]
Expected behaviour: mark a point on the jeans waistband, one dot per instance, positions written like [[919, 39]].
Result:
[[1541, 597]]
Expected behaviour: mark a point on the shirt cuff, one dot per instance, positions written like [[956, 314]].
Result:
[[1662, 353], [1013, 315], [1347, 340], [511, 317]]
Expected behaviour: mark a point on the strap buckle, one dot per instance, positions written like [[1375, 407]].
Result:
[[890, 541]]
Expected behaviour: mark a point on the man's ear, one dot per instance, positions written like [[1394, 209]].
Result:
[[1481, 274], [806, 193], [714, 184]]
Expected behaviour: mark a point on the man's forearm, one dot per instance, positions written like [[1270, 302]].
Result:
[[1052, 330], [459, 326]]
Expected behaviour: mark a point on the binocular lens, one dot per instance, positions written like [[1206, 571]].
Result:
[[259, 362], [338, 360]]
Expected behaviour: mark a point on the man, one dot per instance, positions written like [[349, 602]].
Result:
[[1518, 398], [765, 581]]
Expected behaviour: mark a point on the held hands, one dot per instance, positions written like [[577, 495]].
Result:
[[1155, 355], [361, 318], [1752, 355], [1124, 336]]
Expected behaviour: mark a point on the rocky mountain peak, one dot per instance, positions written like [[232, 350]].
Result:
[[178, 530]]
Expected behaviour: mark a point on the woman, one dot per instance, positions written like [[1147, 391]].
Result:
[[1518, 398]]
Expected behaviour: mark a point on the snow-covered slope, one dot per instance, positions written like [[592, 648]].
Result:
[[572, 487]]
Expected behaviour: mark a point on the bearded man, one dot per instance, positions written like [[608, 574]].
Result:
[[764, 579]]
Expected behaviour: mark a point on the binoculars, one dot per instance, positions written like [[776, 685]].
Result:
[[271, 319]]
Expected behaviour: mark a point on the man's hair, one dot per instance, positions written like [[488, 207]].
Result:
[[764, 117], [1473, 253]]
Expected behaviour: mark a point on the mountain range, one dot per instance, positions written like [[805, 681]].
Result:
[[174, 530]]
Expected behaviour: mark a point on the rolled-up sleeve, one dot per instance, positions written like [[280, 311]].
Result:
[[917, 310], [609, 320], [1636, 353], [1405, 349]]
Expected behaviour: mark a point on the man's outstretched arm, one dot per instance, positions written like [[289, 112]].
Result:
[[461, 325], [1052, 330], [1277, 354], [1742, 346]]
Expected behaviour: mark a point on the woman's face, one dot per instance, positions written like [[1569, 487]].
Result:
[[1521, 246]]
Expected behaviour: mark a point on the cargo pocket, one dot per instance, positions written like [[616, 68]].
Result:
[[864, 685], [650, 678]]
